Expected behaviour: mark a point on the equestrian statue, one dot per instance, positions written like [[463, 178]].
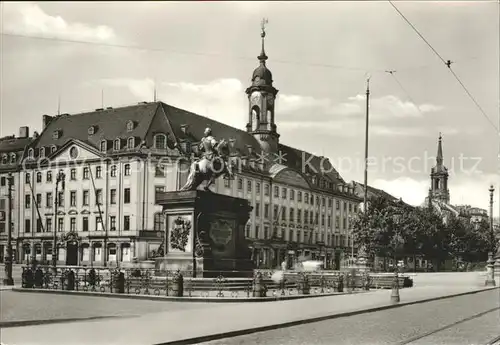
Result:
[[213, 163]]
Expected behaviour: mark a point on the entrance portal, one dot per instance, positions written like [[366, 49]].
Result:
[[72, 253]]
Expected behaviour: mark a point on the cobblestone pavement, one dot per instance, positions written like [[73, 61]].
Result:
[[448, 319], [19, 306]]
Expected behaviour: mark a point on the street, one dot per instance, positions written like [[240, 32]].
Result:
[[19, 306], [471, 319]]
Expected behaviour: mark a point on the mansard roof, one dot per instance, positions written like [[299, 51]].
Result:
[[180, 126], [11, 151]]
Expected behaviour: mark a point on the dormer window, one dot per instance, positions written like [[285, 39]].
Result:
[[13, 158], [130, 126], [116, 144], [92, 130], [104, 146], [160, 141], [4, 159], [131, 143], [42, 152], [31, 153], [56, 134], [53, 148]]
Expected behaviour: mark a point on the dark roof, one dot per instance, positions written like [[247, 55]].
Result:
[[112, 123], [11, 152], [374, 192], [11, 144]]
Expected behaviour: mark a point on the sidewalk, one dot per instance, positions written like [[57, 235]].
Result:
[[234, 318]]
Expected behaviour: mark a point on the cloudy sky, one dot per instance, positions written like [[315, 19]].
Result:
[[201, 55]]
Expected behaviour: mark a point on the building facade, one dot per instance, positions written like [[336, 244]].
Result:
[[91, 179]]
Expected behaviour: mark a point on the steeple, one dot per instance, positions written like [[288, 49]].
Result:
[[261, 96], [439, 177]]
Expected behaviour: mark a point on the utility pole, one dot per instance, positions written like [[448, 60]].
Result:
[[8, 219], [365, 198], [59, 179], [492, 234]]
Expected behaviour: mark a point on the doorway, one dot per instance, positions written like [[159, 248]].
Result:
[[72, 254]]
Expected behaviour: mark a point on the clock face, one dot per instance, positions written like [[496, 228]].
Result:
[[255, 97], [73, 152]]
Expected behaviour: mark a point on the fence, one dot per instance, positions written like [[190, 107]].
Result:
[[180, 284]]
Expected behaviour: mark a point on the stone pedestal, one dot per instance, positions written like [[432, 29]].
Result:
[[205, 234]]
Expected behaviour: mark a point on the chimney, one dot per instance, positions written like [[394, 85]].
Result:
[[46, 120], [24, 132]]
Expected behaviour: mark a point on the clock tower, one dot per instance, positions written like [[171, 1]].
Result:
[[261, 99]]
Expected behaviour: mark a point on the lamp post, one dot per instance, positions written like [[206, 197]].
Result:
[[490, 268], [397, 242], [8, 260], [59, 180]]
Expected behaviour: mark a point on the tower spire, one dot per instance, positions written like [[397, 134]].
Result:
[[263, 57], [439, 156]]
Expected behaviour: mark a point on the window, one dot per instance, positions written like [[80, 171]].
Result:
[[292, 194], [299, 216], [266, 232], [316, 218], [116, 144], [240, 183], [344, 224], [306, 198], [113, 171], [329, 221], [112, 223], [85, 224], [72, 198], [60, 224], [13, 158], [38, 225], [60, 199], [127, 170], [126, 196], [247, 231], [72, 224], [27, 201], [159, 171], [48, 224], [38, 199], [306, 216], [112, 196], [48, 176], [38, 177], [257, 209], [72, 175], [350, 207], [159, 188], [290, 235], [323, 202], [266, 189], [337, 222], [283, 213], [299, 196], [337, 205], [291, 215], [42, 152], [257, 231], [98, 172], [160, 141], [131, 143], [345, 206], [249, 186], [126, 223], [276, 192], [27, 225], [27, 178], [159, 222], [31, 153], [311, 215], [85, 173], [53, 148], [275, 212], [85, 198], [91, 130], [330, 202], [257, 187], [98, 223], [104, 146], [227, 183], [2, 181], [266, 211], [322, 220], [98, 197], [48, 200], [283, 193]]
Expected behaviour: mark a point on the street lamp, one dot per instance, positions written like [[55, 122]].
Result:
[[8, 260], [490, 280], [396, 243], [59, 180]]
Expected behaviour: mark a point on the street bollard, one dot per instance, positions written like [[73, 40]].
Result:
[[177, 284], [395, 289], [259, 289], [490, 271]]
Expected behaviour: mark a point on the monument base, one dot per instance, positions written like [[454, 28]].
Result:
[[205, 234]]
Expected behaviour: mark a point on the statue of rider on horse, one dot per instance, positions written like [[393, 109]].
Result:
[[213, 163]]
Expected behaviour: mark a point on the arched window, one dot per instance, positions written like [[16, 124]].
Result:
[[4, 159], [255, 117], [53, 149], [131, 143], [42, 152], [130, 126], [104, 146], [159, 222], [13, 158], [160, 141], [31, 153], [116, 144]]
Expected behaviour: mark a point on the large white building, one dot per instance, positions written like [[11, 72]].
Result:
[[115, 159]]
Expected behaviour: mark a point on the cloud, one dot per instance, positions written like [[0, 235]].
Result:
[[30, 19], [142, 89], [463, 191]]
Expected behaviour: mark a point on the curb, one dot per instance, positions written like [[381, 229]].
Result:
[[9, 324], [184, 299], [231, 334]]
